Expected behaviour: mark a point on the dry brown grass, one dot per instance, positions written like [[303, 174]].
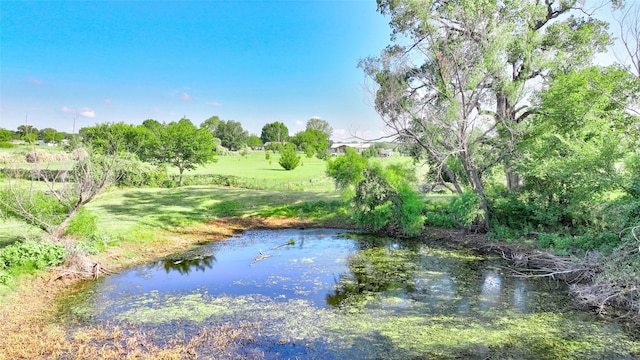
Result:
[[31, 329]]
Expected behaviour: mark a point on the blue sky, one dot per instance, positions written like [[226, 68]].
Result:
[[251, 61]]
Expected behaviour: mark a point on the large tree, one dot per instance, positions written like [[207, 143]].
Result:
[[50, 134], [185, 146], [311, 141], [275, 132], [455, 84], [231, 135], [212, 123], [316, 123], [113, 138], [576, 143]]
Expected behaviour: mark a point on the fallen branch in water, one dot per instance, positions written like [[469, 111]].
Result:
[[547, 265], [288, 243], [260, 257]]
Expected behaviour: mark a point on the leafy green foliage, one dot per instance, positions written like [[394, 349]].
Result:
[[311, 141], [30, 255], [37, 208], [133, 172], [573, 152], [383, 199], [5, 135], [231, 134], [275, 132], [185, 146], [346, 170], [114, 138], [436, 213], [320, 125], [289, 160], [465, 208], [253, 141]]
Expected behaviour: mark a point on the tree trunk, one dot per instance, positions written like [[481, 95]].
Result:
[[56, 234], [476, 185], [514, 180], [505, 114], [181, 171]]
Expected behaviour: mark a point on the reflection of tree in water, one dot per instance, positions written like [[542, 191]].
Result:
[[185, 266], [375, 270]]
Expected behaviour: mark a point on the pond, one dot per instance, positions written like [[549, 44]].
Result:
[[333, 294]]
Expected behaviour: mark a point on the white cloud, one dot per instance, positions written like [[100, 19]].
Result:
[[214, 103], [84, 112], [107, 101], [299, 123], [186, 97]]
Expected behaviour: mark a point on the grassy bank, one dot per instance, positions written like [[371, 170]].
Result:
[[139, 225]]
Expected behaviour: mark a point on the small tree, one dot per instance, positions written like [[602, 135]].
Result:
[[184, 146], [346, 170], [289, 160]]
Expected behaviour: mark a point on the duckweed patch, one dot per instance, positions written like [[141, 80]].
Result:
[[333, 295]]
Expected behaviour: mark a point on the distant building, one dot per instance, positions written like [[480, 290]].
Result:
[[50, 143], [341, 148], [386, 153]]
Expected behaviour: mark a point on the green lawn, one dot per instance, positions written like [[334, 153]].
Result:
[[140, 212], [132, 213]]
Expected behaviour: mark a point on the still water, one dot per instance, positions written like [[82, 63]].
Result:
[[330, 294]]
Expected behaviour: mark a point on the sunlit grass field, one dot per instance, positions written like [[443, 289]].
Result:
[[135, 213]]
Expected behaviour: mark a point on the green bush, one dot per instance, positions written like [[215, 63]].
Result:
[[289, 160], [409, 211], [466, 208], [501, 232], [6, 145], [136, 173], [83, 224], [383, 199], [31, 255], [436, 213]]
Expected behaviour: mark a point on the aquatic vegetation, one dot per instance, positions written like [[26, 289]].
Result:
[[332, 296]]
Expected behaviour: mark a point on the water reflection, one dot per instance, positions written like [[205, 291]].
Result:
[[394, 272], [332, 295], [185, 266]]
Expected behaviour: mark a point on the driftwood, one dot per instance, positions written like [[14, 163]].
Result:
[[546, 265], [80, 266], [260, 257]]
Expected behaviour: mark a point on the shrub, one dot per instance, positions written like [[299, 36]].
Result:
[[289, 160], [31, 254], [436, 213], [409, 211], [383, 199], [466, 208]]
